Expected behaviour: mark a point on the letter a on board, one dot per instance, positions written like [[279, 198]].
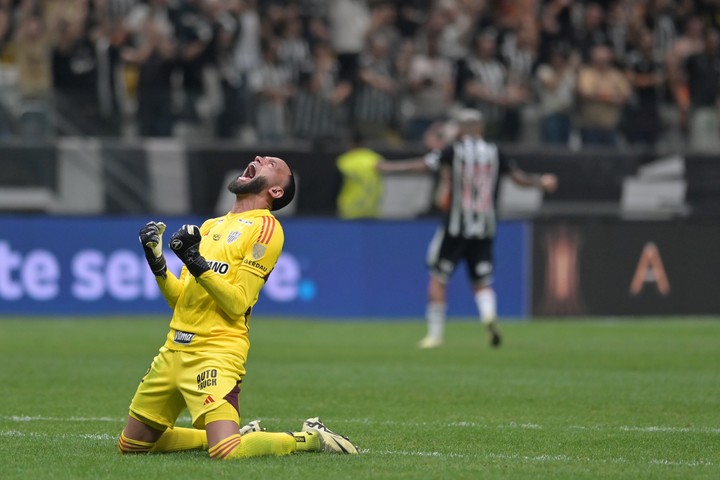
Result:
[[650, 269]]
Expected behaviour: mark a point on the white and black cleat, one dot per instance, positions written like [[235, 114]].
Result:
[[329, 440]]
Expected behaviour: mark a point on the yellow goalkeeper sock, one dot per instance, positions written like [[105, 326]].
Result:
[[307, 441], [178, 438], [254, 444], [128, 445]]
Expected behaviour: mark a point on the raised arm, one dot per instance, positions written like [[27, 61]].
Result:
[[547, 181], [429, 162], [151, 240], [414, 165], [233, 298]]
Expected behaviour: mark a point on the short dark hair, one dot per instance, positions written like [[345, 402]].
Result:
[[288, 194]]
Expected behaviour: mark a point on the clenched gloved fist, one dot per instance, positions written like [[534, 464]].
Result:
[[186, 245], [151, 241]]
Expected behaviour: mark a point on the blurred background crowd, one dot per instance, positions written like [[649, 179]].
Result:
[[612, 73]]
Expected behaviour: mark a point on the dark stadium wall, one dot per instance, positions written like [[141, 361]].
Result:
[[611, 267], [89, 176]]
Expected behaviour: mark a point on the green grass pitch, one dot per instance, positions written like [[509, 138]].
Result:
[[561, 399]]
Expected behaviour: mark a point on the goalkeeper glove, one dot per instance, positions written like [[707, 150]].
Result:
[[186, 245], [151, 241]]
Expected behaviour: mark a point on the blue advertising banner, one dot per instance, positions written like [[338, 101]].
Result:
[[329, 268]]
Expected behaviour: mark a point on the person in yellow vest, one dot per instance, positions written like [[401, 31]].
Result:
[[362, 185]]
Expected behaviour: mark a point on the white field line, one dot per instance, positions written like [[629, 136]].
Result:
[[557, 458], [368, 421], [86, 436], [27, 418], [535, 426], [540, 458]]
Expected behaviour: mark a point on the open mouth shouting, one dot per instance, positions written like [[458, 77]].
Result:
[[250, 171]]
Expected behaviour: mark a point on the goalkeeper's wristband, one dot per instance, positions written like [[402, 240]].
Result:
[[158, 265], [195, 263]]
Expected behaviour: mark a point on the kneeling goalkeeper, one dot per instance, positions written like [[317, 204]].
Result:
[[202, 363]]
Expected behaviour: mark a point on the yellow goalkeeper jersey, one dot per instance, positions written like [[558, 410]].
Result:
[[212, 312]]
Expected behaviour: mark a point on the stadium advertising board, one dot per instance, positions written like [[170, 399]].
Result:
[[625, 268], [329, 268]]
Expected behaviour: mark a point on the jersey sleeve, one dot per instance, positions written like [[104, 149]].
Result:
[[258, 256], [262, 252], [437, 158], [233, 298], [171, 287]]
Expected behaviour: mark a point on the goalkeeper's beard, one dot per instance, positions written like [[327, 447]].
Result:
[[254, 186]]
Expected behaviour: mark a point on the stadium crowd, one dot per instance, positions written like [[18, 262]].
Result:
[[604, 72]]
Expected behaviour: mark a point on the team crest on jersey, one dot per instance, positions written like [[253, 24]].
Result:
[[216, 237], [258, 251], [232, 236]]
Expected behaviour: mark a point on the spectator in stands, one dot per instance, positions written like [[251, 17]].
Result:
[[555, 89], [155, 56], [274, 15], [138, 17], [454, 25], [193, 35], [431, 88], [383, 14], [401, 66], [686, 45], [487, 86], [32, 50], [294, 49], [643, 125], [227, 33], [556, 27], [348, 25], [519, 54], [109, 38], [321, 101], [410, 16], [272, 83], [593, 31], [375, 106], [659, 20], [603, 93], [624, 26], [75, 78], [240, 55], [318, 30], [702, 71], [56, 12]]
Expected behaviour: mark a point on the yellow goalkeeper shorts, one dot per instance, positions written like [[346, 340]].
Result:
[[202, 382]]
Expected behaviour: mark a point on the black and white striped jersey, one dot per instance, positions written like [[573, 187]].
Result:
[[475, 168]]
